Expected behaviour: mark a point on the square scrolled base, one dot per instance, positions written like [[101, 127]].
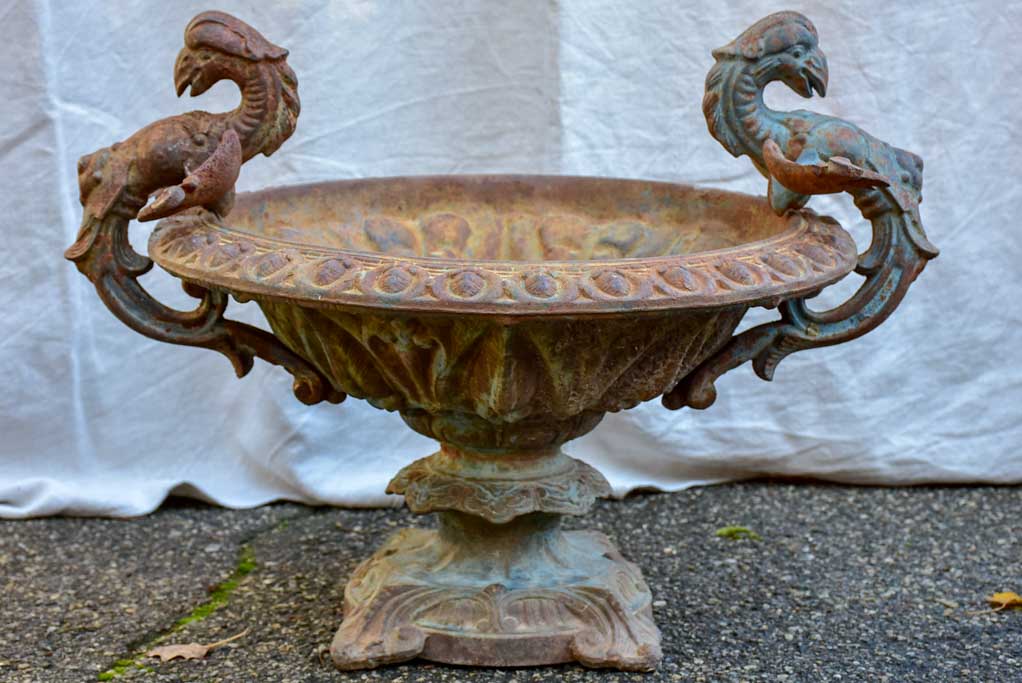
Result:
[[570, 596]]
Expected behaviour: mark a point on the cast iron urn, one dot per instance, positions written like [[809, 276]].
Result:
[[501, 316]]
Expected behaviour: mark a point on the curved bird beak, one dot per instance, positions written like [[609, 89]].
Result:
[[189, 72], [184, 71], [815, 73]]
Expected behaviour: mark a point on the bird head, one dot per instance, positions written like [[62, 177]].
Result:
[[219, 46], [784, 47]]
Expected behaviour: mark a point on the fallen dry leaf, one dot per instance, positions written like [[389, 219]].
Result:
[[169, 652], [189, 651], [1005, 600]]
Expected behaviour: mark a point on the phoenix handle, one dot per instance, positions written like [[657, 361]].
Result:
[[803, 154], [191, 162]]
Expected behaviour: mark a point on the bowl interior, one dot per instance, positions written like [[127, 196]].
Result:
[[508, 218]]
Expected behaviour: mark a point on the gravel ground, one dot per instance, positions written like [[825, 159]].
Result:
[[845, 584]]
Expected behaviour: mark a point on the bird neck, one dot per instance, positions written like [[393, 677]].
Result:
[[262, 120], [736, 113]]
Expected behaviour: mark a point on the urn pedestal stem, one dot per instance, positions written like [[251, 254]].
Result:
[[499, 582]]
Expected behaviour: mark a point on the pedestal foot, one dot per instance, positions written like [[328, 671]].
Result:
[[516, 594]]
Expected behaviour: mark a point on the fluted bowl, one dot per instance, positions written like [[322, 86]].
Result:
[[504, 311]]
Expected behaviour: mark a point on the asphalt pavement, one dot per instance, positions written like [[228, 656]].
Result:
[[843, 584]]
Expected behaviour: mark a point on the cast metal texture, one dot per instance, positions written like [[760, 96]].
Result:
[[578, 245], [191, 161], [507, 594], [503, 488], [802, 154], [502, 316]]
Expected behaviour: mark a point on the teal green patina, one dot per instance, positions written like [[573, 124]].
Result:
[[502, 316], [803, 153]]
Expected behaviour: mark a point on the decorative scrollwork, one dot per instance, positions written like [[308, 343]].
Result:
[[191, 161], [813, 252], [802, 154], [428, 487], [573, 598]]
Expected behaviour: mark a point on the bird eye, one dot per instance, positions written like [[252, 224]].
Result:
[[797, 52]]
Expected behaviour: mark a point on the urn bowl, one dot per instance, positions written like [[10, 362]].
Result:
[[504, 312]]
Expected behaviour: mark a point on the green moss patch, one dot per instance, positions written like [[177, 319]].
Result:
[[219, 596], [735, 533]]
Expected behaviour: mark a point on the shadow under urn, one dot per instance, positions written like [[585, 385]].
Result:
[[502, 316]]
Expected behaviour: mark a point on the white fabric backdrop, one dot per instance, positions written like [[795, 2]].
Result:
[[95, 419]]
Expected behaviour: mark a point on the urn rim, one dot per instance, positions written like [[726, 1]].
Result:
[[809, 253]]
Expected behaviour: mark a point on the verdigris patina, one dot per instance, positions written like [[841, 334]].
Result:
[[502, 316], [802, 154]]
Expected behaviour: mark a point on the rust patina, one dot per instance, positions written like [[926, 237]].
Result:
[[502, 316]]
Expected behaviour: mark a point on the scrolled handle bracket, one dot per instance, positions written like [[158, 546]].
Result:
[[191, 162], [803, 154]]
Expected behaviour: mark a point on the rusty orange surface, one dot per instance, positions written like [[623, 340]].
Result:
[[510, 245]]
